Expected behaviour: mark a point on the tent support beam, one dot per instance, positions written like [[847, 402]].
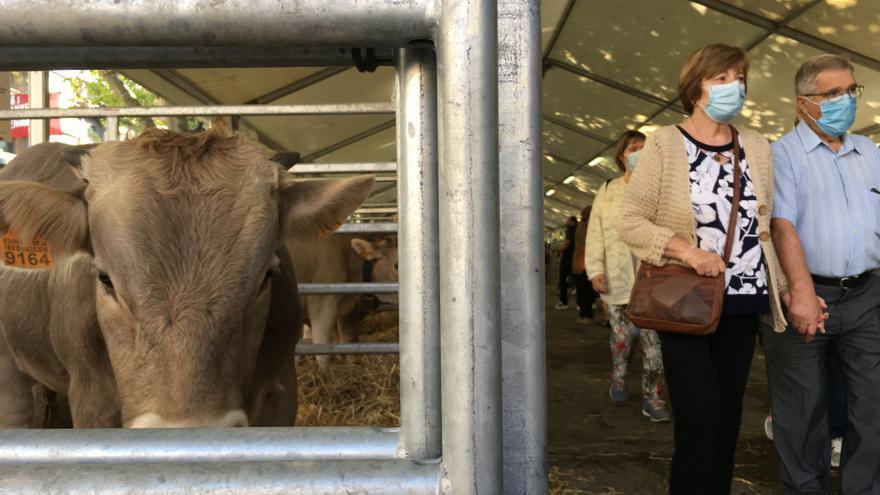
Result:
[[781, 29]]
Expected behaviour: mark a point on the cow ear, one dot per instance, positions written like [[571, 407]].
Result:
[[364, 249], [286, 159], [31, 212], [311, 209]]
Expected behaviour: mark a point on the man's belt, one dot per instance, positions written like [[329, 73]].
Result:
[[853, 282]]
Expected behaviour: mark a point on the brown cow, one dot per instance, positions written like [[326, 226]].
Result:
[[341, 259], [171, 301]]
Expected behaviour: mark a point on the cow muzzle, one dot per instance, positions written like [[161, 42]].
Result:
[[232, 419]]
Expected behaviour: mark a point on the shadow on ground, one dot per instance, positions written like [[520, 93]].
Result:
[[599, 448]]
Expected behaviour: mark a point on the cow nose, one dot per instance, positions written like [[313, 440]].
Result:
[[232, 419]]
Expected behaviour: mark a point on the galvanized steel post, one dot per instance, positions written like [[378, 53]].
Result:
[[174, 57], [523, 351], [117, 446], [467, 46], [418, 253], [228, 23], [376, 477]]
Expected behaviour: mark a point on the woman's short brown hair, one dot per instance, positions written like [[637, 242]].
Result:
[[705, 63], [628, 137]]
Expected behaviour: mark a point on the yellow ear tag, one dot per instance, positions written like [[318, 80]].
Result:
[[37, 254]]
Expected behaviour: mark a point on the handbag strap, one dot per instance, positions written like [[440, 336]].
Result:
[[734, 207]]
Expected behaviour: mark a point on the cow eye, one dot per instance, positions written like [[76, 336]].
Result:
[[106, 282], [395, 266], [269, 274]]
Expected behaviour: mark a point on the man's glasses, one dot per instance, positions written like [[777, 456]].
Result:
[[853, 92]]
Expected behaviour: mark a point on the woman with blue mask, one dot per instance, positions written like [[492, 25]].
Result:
[[611, 269], [677, 210]]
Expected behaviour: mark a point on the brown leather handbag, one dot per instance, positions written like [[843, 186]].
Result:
[[674, 298]]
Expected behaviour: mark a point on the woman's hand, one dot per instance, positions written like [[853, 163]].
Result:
[[704, 263], [599, 284]]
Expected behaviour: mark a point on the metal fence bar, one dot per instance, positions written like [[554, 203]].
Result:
[[524, 383], [172, 57], [343, 168], [418, 249], [256, 23], [367, 209], [368, 216], [304, 349], [38, 97], [111, 132], [394, 477], [367, 228], [201, 111], [353, 288], [467, 47], [97, 446]]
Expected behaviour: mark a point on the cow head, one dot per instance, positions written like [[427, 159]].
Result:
[[183, 230], [383, 255]]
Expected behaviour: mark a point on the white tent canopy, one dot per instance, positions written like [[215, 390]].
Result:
[[610, 65]]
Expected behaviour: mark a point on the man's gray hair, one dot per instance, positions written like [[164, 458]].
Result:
[[805, 79]]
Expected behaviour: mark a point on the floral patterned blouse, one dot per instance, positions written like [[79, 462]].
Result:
[[711, 174]]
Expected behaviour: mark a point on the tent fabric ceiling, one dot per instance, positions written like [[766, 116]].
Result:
[[610, 66]]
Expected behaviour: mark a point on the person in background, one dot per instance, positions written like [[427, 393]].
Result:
[[548, 256], [676, 209], [565, 258], [826, 227], [611, 269], [585, 295]]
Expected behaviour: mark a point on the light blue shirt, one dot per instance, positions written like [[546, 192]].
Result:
[[828, 198]]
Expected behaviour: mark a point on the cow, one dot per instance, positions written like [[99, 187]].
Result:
[[341, 259], [163, 295]]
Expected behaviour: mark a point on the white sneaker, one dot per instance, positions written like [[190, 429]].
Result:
[[836, 449], [561, 306]]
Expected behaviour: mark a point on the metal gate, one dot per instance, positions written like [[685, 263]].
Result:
[[472, 364]]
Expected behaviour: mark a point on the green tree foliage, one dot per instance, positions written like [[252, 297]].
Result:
[[111, 89]]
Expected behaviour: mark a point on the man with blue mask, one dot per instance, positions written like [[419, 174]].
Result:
[[826, 229]]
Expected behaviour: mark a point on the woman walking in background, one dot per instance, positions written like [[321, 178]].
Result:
[[611, 269]]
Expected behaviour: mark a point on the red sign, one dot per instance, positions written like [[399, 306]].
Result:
[[19, 128]]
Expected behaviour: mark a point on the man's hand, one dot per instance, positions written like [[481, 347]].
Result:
[[805, 310], [705, 263], [599, 284]]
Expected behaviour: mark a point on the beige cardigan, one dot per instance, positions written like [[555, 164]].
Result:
[[657, 203], [606, 254]]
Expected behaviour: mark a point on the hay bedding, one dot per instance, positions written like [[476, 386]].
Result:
[[353, 390], [365, 390]]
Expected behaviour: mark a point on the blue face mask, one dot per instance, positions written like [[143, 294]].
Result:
[[725, 101], [838, 114], [631, 160]]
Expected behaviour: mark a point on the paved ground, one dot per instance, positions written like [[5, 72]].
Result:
[[599, 448]]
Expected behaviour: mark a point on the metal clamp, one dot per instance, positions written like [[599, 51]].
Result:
[[367, 61]]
